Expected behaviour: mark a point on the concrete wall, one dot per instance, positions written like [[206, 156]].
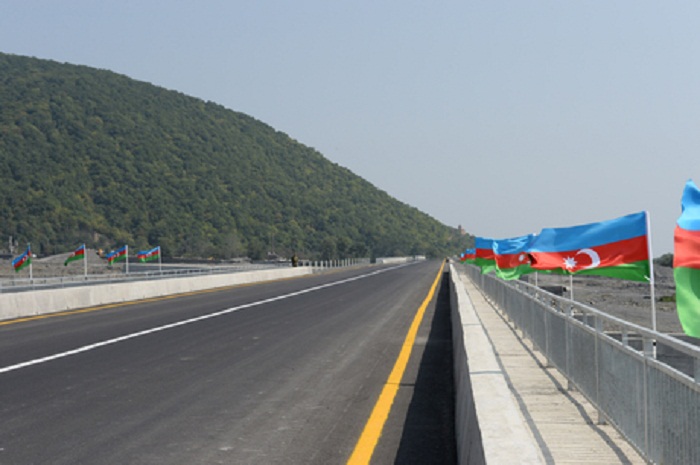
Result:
[[20, 304], [489, 426], [394, 260], [468, 435]]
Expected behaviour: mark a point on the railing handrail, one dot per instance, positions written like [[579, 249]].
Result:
[[669, 340], [77, 280], [650, 391]]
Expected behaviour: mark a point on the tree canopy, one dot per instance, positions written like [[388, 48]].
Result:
[[88, 155]]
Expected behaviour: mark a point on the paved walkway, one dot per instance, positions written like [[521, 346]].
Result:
[[563, 424]]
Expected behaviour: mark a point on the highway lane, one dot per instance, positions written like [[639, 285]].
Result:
[[268, 379]]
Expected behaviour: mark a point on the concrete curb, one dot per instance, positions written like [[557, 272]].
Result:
[[21, 304], [489, 425]]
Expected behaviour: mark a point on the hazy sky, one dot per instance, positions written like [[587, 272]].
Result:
[[503, 116]]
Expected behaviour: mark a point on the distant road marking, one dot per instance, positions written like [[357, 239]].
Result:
[[188, 321], [24, 319], [373, 429]]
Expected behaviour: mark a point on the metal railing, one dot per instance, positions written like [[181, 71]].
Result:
[[643, 382], [22, 285], [40, 283]]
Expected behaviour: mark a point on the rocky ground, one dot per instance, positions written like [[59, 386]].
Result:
[[627, 300]]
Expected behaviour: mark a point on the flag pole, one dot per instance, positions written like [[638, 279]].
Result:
[[29, 250], [127, 258], [160, 260], [85, 254], [651, 273], [571, 285]]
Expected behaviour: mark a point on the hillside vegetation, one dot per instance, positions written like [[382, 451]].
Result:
[[92, 156]]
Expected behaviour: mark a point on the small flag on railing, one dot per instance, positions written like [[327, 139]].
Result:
[[117, 255], [78, 254], [148, 255], [23, 260]]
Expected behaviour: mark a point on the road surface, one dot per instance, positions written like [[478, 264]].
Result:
[[284, 372]]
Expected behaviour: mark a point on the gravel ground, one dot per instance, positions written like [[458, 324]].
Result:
[[627, 300]]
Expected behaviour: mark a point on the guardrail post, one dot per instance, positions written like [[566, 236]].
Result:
[[647, 349], [547, 329], [598, 323], [569, 310]]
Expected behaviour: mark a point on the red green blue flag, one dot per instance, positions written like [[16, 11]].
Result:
[[148, 255], [117, 255], [617, 248], [484, 256], [23, 260], [468, 256], [78, 254], [512, 258], [686, 261]]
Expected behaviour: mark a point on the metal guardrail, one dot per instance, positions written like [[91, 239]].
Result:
[[24, 285], [645, 383]]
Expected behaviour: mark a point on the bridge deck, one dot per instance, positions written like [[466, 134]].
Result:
[[563, 424]]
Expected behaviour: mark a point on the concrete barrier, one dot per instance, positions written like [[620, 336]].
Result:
[[489, 426], [396, 260], [468, 435], [21, 304]]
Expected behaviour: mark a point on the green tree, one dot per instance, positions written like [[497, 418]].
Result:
[[329, 250], [91, 156]]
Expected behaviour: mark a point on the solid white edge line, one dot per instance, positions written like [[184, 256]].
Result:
[[126, 337]]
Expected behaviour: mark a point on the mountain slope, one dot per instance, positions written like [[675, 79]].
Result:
[[88, 155]]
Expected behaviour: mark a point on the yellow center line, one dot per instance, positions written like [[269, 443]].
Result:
[[375, 424]]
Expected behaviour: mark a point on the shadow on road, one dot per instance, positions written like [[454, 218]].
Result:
[[428, 434]]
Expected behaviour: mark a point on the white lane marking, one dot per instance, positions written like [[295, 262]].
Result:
[[186, 322]]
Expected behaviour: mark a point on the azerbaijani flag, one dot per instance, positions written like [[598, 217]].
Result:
[[686, 261], [149, 255], [484, 256], [470, 255], [618, 248], [117, 255], [511, 255], [78, 254], [23, 260]]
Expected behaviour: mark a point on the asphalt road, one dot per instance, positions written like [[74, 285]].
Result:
[[285, 372]]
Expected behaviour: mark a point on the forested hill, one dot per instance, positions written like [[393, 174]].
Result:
[[88, 155]]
